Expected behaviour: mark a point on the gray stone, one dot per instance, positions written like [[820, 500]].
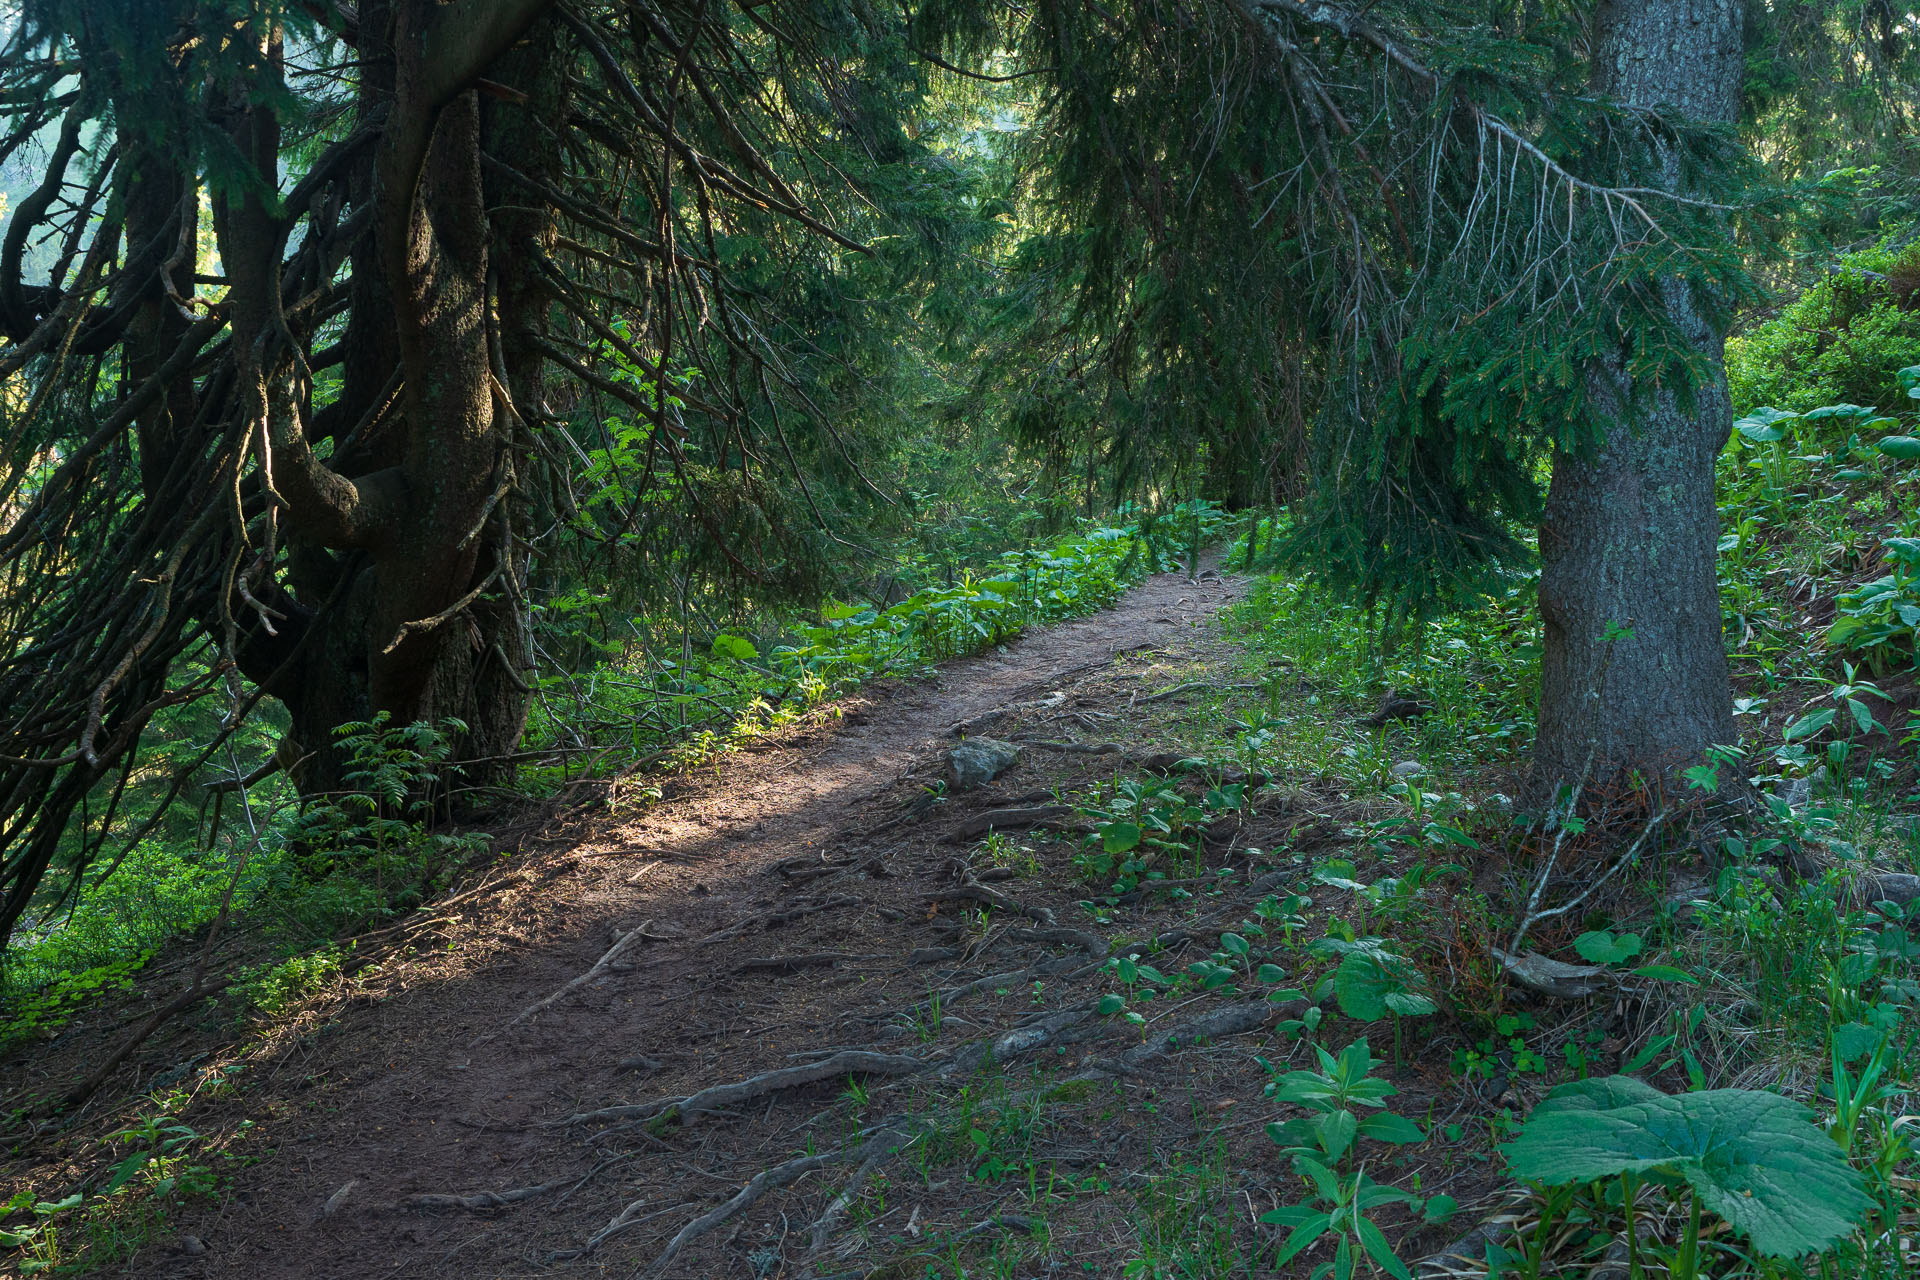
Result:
[[1408, 769], [1798, 792], [1896, 887], [978, 761]]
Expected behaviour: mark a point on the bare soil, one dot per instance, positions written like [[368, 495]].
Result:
[[802, 897]]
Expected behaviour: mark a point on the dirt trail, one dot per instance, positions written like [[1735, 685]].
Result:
[[423, 1085]]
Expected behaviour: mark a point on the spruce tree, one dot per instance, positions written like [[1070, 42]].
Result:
[[1407, 258]]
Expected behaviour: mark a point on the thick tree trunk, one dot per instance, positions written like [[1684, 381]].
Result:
[[404, 534], [1635, 669]]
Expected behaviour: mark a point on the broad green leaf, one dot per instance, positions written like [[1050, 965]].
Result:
[[1270, 973], [1764, 426], [1601, 947], [1862, 718], [1361, 988], [126, 1170], [1756, 1159], [1337, 873], [1409, 1004], [1119, 837], [736, 647], [1905, 448], [1385, 1126], [1380, 1251], [1335, 1132], [1855, 1040], [1808, 725], [1855, 411], [1303, 1235], [1110, 1003]]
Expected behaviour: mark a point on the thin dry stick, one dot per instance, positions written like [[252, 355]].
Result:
[[1633, 851]]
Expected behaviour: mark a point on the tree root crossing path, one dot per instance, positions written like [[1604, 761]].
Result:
[[694, 1026]]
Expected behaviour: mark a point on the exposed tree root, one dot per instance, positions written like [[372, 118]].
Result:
[[1228, 1020], [1189, 687], [798, 911], [1074, 748], [627, 1217], [1095, 947], [974, 891], [793, 964], [763, 1182], [1010, 820], [1045, 1032], [475, 1199], [845, 1063], [1556, 978], [881, 1147], [600, 967], [993, 981]]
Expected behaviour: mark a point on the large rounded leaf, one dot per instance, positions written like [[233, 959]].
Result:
[[1764, 426], [1754, 1158], [1855, 411], [1361, 988], [1906, 448]]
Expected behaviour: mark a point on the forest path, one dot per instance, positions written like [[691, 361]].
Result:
[[422, 1083]]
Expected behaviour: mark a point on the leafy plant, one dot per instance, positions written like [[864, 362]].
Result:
[[1146, 821], [1756, 1159], [1346, 1103], [1879, 619], [46, 1010], [1373, 980]]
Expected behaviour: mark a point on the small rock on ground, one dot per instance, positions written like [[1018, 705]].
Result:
[[978, 761]]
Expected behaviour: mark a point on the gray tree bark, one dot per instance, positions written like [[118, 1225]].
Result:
[[1627, 541]]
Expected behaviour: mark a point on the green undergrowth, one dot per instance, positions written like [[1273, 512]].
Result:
[[1738, 1098], [637, 704]]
